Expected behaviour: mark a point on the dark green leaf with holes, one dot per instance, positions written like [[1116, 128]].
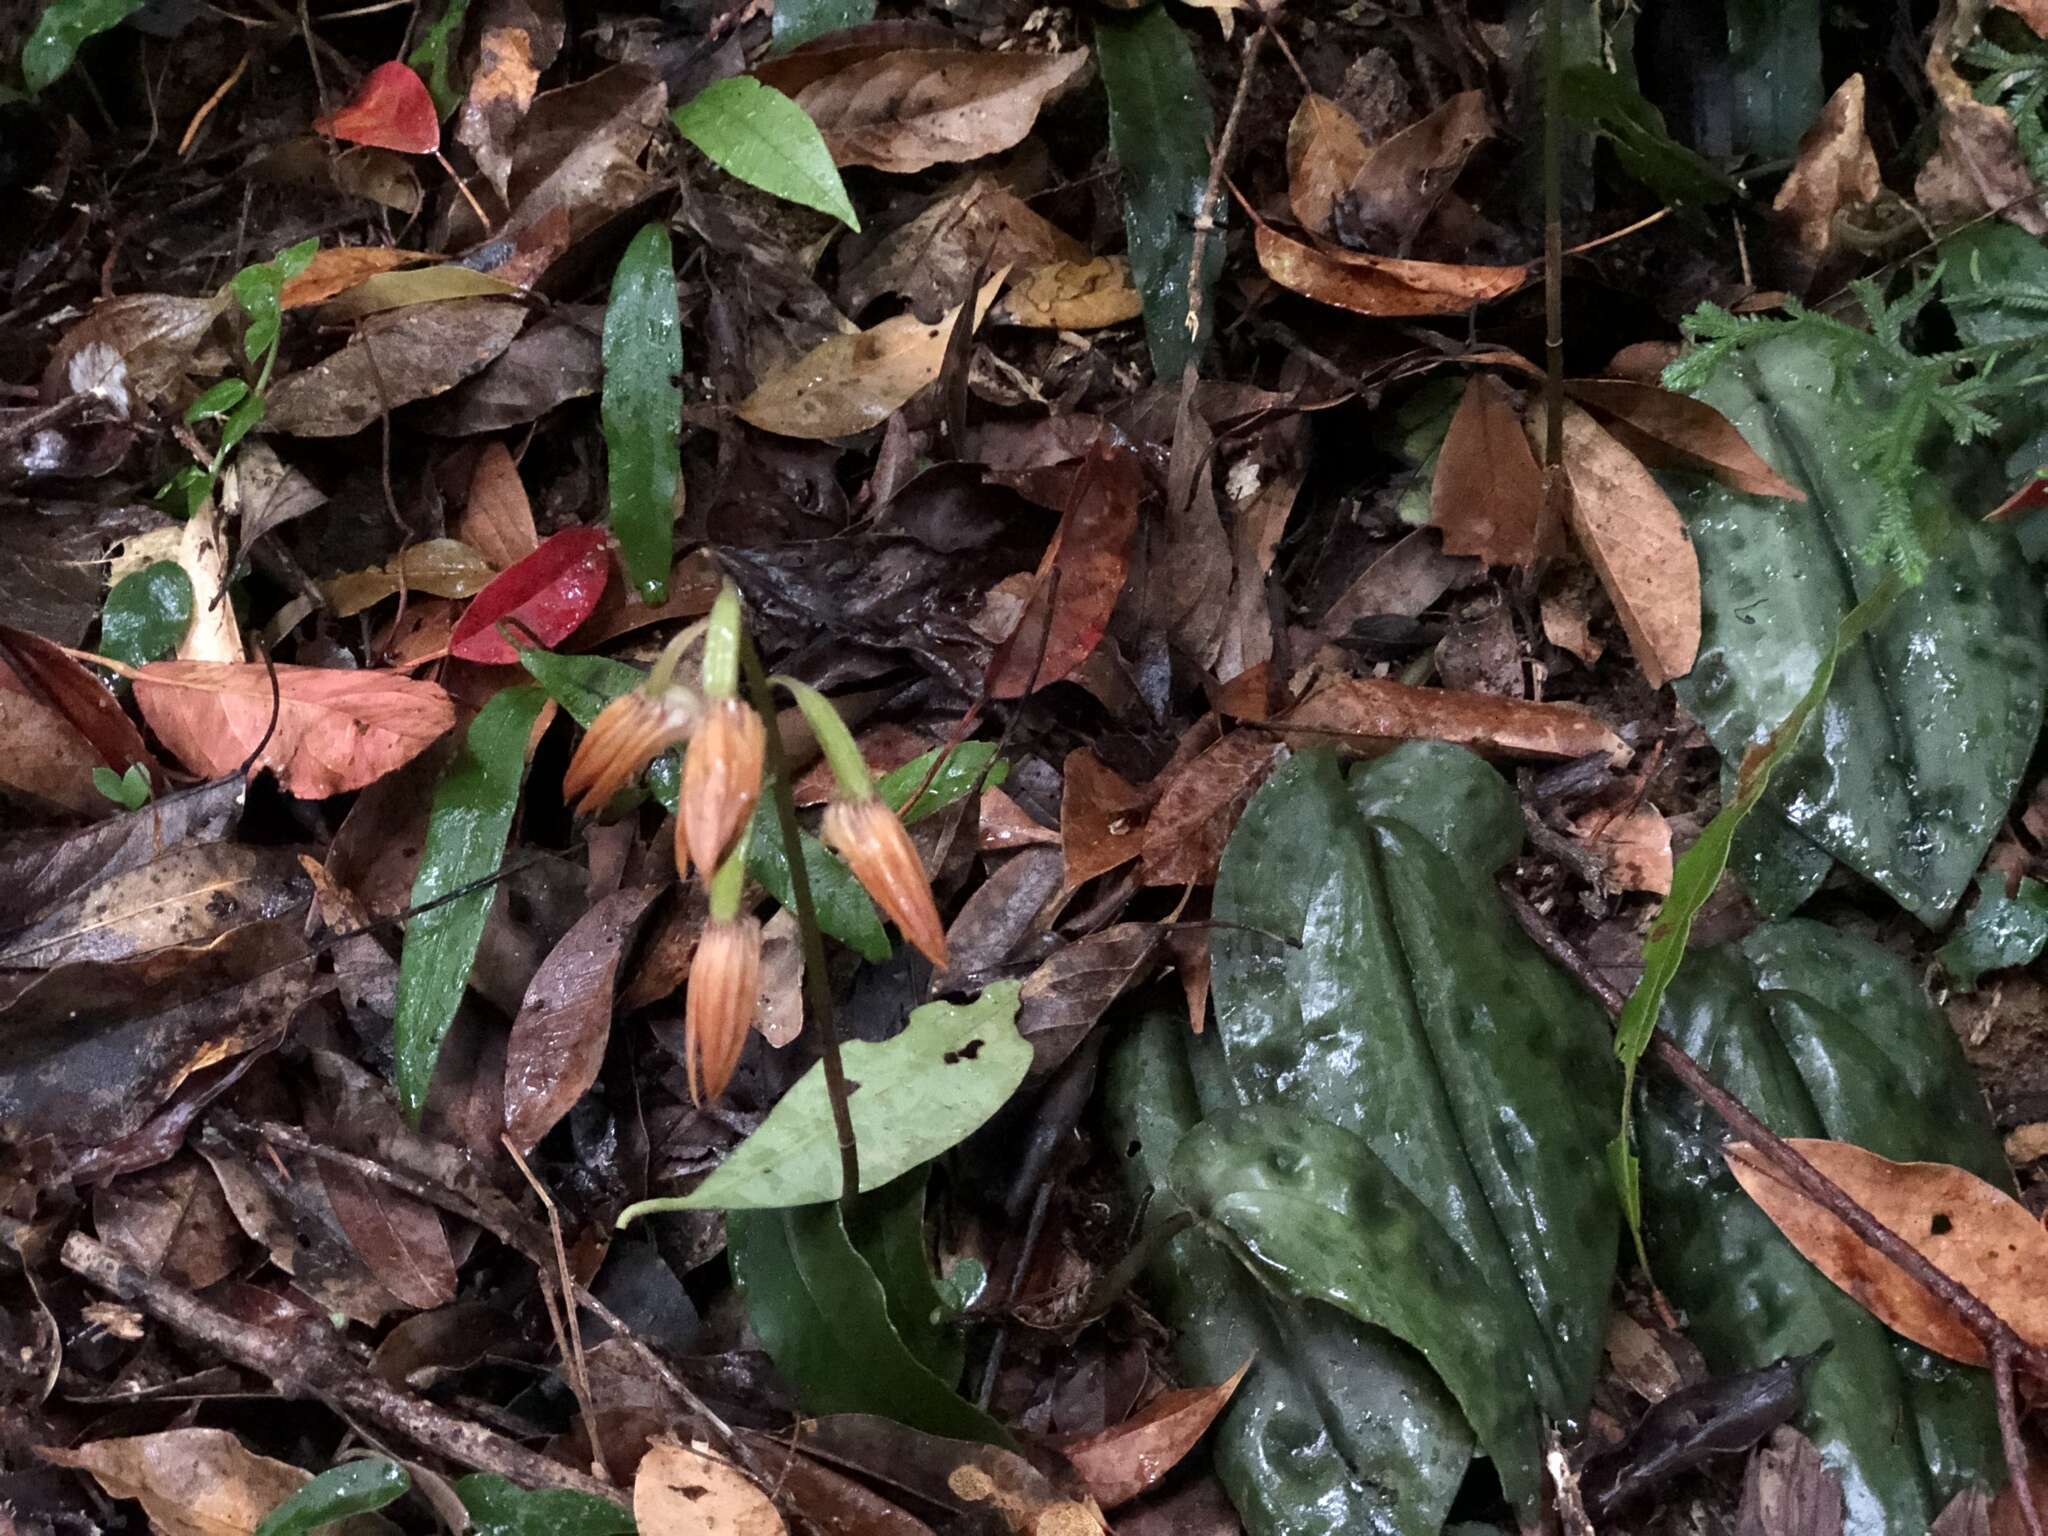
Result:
[[1914, 758], [1822, 1034]]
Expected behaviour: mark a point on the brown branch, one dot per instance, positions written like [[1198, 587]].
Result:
[[1205, 213], [307, 1365], [2001, 1343]]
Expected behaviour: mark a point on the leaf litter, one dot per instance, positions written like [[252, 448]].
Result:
[[1126, 418]]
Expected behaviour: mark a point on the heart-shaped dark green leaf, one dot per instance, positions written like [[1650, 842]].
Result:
[[1338, 1426], [1822, 1034], [1370, 979], [643, 409], [500, 1507], [1911, 764], [1316, 1212], [466, 831], [353, 1488]]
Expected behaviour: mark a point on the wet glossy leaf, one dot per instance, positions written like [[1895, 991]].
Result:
[[61, 29], [147, 614], [1160, 126], [765, 139], [499, 1507], [2001, 931], [353, 1488], [1595, 98], [824, 1319], [1317, 1213], [887, 1227], [643, 408], [1822, 1034], [799, 21], [433, 55], [334, 730], [922, 1092], [1409, 975], [1953, 680], [541, 599], [472, 813], [442, 567]]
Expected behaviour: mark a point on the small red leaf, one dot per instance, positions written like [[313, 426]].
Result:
[[391, 109], [550, 592]]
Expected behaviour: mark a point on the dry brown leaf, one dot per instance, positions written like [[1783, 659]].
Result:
[[1225, 12], [438, 284], [779, 1011], [683, 1492], [497, 520], [1836, 171], [1404, 581], [1634, 848], [1672, 430], [847, 384], [576, 162], [1101, 825], [1123, 1461], [1636, 541], [336, 730], [443, 567], [1403, 177], [1565, 605], [171, 1220], [1326, 149], [1372, 715], [43, 757], [932, 261], [906, 111], [1789, 1491], [1072, 296], [190, 895], [154, 335], [1005, 824], [1978, 168], [1382, 286], [339, 268], [500, 94], [393, 359], [194, 1482], [1970, 1230], [1487, 497], [1198, 807]]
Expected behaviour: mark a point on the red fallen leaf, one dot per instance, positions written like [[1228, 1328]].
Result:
[[391, 109], [1123, 1461], [1091, 551], [336, 730], [39, 668], [550, 592]]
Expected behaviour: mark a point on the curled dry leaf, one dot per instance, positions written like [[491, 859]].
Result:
[[335, 730], [497, 520], [1326, 149], [1383, 286], [1978, 169], [1836, 172], [847, 384], [932, 260], [1634, 847], [39, 672], [1372, 715], [1637, 544], [1379, 194], [1079, 579], [214, 634], [1970, 1230], [1676, 431], [194, 1482], [906, 111], [1073, 296], [1487, 497], [500, 94], [1122, 1462], [683, 1492]]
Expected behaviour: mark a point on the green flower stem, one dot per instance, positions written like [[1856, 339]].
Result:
[[834, 739], [730, 880], [722, 645], [817, 984]]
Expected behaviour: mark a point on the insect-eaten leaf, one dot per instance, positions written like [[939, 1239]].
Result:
[[322, 731], [1822, 1034], [466, 831], [540, 600], [759, 135], [921, 1092], [643, 407]]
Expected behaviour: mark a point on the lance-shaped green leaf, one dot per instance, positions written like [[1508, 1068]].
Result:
[[824, 1319], [1912, 759], [1369, 978], [583, 685], [466, 831], [59, 32], [1338, 1426], [643, 410], [353, 1488], [768, 141], [1316, 1213], [921, 1092], [498, 1506], [1160, 127], [147, 614], [433, 56], [1822, 1034]]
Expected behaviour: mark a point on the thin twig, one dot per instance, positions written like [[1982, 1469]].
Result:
[[305, 1364], [2001, 1343], [1205, 214], [568, 1332], [817, 983], [1553, 251]]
